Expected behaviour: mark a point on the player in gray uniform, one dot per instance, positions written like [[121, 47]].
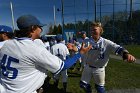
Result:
[[23, 63], [98, 57], [62, 52]]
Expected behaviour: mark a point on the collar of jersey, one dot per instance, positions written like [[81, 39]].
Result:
[[100, 40], [23, 38]]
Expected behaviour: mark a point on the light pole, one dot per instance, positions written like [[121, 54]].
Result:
[[62, 11], [113, 21], [131, 8], [11, 6], [100, 11], [62, 16], [54, 15], [95, 9]]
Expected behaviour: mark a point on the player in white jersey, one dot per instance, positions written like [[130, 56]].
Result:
[[23, 62], [46, 42], [45, 86], [62, 52], [98, 57], [83, 38], [6, 33]]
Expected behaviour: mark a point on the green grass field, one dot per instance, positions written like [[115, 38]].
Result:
[[119, 75], [134, 49]]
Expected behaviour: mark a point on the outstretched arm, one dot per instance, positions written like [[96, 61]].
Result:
[[128, 57], [69, 62]]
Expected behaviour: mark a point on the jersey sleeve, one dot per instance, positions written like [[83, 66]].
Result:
[[117, 49], [50, 62], [39, 42]]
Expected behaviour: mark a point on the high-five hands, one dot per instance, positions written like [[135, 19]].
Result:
[[83, 49]]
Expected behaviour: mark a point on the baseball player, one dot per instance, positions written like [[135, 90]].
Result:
[[23, 62], [83, 38], [98, 57], [6, 33], [46, 42], [60, 50], [45, 85]]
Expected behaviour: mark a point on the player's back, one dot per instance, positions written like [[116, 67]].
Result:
[[19, 73], [60, 50]]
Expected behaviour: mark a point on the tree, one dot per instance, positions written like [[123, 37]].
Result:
[[134, 25], [50, 32], [59, 29]]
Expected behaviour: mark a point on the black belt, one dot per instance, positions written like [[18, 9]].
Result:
[[94, 66]]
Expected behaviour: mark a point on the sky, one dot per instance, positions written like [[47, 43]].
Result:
[[75, 10], [42, 9]]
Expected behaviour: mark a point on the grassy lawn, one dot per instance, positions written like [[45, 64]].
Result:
[[122, 75], [119, 75], [134, 49]]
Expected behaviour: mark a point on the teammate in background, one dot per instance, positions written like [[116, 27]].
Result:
[[78, 43], [60, 50], [6, 33], [83, 58], [23, 62], [74, 42], [98, 57], [83, 36], [46, 42], [52, 41]]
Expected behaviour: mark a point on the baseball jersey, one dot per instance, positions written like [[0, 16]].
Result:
[[2, 43], [80, 41], [39, 42], [47, 45], [22, 68], [98, 56], [60, 50]]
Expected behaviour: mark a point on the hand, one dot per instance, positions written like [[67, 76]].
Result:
[[130, 58], [84, 49], [71, 46]]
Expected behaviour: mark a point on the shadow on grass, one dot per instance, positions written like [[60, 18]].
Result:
[[52, 89], [72, 74]]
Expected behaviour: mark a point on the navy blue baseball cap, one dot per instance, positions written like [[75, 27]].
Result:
[[83, 32], [5, 29], [44, 38], [59, 37], [25, 21]]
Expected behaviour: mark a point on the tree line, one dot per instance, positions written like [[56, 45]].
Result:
[[120, 27]]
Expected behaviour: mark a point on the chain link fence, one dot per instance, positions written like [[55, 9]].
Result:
[[118, 17]]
